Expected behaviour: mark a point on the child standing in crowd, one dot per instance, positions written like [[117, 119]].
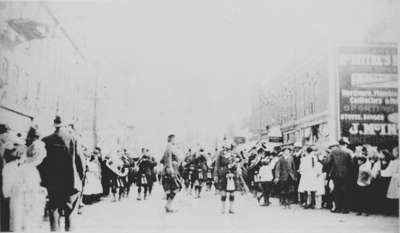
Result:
[[310, 170], [368, 170], [363, 191], [266, 178], [320, 192], [285, 177]]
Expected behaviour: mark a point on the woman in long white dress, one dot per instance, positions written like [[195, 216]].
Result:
[[22, 185], [93, 178]]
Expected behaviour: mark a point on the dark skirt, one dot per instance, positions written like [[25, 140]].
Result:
[[171, 183]]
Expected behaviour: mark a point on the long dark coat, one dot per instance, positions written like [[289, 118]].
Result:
[[62, 169]]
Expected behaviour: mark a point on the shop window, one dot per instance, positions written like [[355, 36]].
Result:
[[315, 133]]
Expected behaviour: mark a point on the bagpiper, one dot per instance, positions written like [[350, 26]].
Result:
[[170, 173], [226, 175], [210, 169], [200, 172], [145, 175], [188, 171]]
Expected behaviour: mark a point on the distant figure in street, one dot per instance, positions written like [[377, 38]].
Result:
[[170, 171], [62, 172], [340, 172]]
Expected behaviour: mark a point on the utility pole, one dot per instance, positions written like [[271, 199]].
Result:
[[95, 105]]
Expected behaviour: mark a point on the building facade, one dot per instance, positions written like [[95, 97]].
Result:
[[42, 71], [340, 89]]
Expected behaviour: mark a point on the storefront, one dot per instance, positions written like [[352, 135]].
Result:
[[368, 94], [309, 130]]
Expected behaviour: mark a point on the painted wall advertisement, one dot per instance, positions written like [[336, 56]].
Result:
[[368, 105]]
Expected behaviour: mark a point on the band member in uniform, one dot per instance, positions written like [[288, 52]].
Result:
[[145, 177], [210, 169], [225, 174], [255, 166], [252, 170], [188, 171], [170, 180], [200, 172], [118, 179]]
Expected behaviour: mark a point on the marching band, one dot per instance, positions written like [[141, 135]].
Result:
[[291, 174]]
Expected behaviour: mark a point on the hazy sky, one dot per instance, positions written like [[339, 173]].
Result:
[[190, 66]]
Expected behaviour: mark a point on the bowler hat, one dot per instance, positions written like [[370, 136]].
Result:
[[57, 121]]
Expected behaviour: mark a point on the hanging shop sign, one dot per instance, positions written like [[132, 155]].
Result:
[[239, 140], [368, 106]]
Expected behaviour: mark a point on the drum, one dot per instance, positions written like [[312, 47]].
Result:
[[117, 166]]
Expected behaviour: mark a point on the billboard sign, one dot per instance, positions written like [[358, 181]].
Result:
[[368, 103]]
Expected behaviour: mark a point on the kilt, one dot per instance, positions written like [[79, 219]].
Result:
[[118, 182], [223, 183], [171, 183], [144, 179], [199, 175]]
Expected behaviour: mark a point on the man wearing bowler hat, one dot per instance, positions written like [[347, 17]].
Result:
[[340, 172], [62, 174]]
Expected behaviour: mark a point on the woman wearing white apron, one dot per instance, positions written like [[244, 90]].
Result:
[[93, 185]]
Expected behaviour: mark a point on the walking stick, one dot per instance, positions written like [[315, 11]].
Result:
[[80, 198]]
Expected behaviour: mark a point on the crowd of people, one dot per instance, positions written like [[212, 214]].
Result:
[[363, 180], [54, 177]]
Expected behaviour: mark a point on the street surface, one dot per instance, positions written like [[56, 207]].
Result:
[[203, 215]]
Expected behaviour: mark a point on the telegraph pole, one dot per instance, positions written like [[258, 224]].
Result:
[[95, 105]]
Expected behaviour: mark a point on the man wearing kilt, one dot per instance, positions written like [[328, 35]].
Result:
[[209, 179], [188, 171], [226, 175], [170, 173], [200, 172], [117, 184], [145, 177]]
